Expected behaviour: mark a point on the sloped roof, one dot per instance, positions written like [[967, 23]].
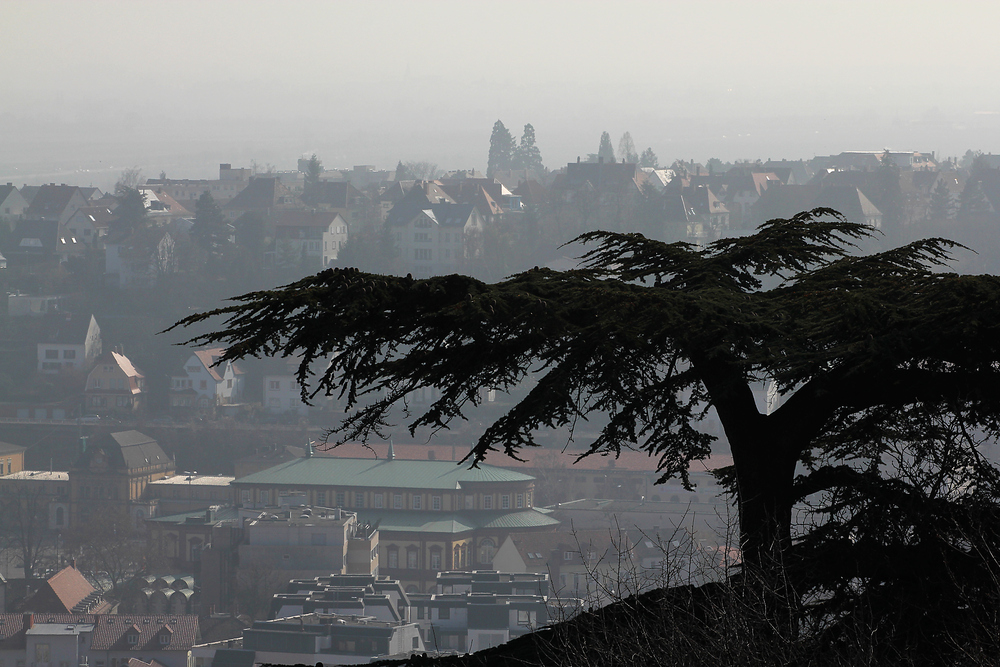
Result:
[[456, 522], [65, 592], [326, 471], [849, 201], [65, 329], [51, 201], [9, 448], [337, 194], [5, 190], [450, 215], [261, 193], [305, 218], [534, 458], [110, 630]]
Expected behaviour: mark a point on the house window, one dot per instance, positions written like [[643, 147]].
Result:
[[265, 497], [164, 639], [204, 384], [359, 499], [229, 384], [567, 555], [505, 502], [321, 498], [444, 613], [340, 499], [418, 501], [529, 499], [422, 253], [436, 560], [436, 503], [520, 500], [470, 502], [411, 559], [69, 354], [274, 385], [246, 497], [133, 638], [397, 501], [393, 557], [378, 500], [487, 549], [487, 502], [51, 354]]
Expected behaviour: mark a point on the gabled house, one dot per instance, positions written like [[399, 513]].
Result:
[[68, 592], [68, 341], [336, 197], [141, 258], [56, 202], [112, 472], [33, 241], [202, 384], [263, 194], [852, 203], [100, 640], [88, 225], [12, 204], [311, 239], [438, 240], [114, 386]]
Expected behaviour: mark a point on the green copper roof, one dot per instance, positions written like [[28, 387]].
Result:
[[453, 522], [374, 473]]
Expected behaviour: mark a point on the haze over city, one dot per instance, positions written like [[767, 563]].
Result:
[[667, 328], [91, 88]]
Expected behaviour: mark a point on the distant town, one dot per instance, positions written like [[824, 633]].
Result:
[[158, 505]]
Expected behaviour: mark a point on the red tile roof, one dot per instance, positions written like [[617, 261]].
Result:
[[69, 587], [111, 630]]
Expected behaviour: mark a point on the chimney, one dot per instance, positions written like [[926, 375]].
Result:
[[392, 454], [29, 621], [600, 159], [578, 159], [72, 563]]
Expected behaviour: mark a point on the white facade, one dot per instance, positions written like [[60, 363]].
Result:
[[334, 238], [78, 355], [202, 384]]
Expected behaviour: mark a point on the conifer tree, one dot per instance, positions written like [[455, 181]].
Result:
[[941, 205], [210, 230], [860, 349], [501, 150], [649, 159], [527, 155], [605, 150]]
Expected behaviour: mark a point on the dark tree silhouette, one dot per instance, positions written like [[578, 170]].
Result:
[[653, 334]]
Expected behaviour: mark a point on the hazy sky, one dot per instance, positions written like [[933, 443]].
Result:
[[91, 87]]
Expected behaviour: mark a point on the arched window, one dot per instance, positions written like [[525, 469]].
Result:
[[436, 559], [487, 549], [456, 560]]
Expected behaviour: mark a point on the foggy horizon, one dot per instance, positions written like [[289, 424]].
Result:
[[93, 88]]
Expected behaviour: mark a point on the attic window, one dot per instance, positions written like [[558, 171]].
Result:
[[133, 638]]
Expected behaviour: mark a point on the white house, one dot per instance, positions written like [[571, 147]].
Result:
[[202, 384], [438, 239], [69, 341]]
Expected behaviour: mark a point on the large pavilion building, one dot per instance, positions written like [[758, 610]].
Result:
[[431, 515]]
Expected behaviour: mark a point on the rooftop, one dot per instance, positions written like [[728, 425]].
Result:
[[374, 473]]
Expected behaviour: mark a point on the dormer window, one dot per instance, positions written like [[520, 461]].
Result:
[[133, 638]]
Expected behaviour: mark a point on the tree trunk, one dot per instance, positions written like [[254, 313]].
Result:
[[764, 486]]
